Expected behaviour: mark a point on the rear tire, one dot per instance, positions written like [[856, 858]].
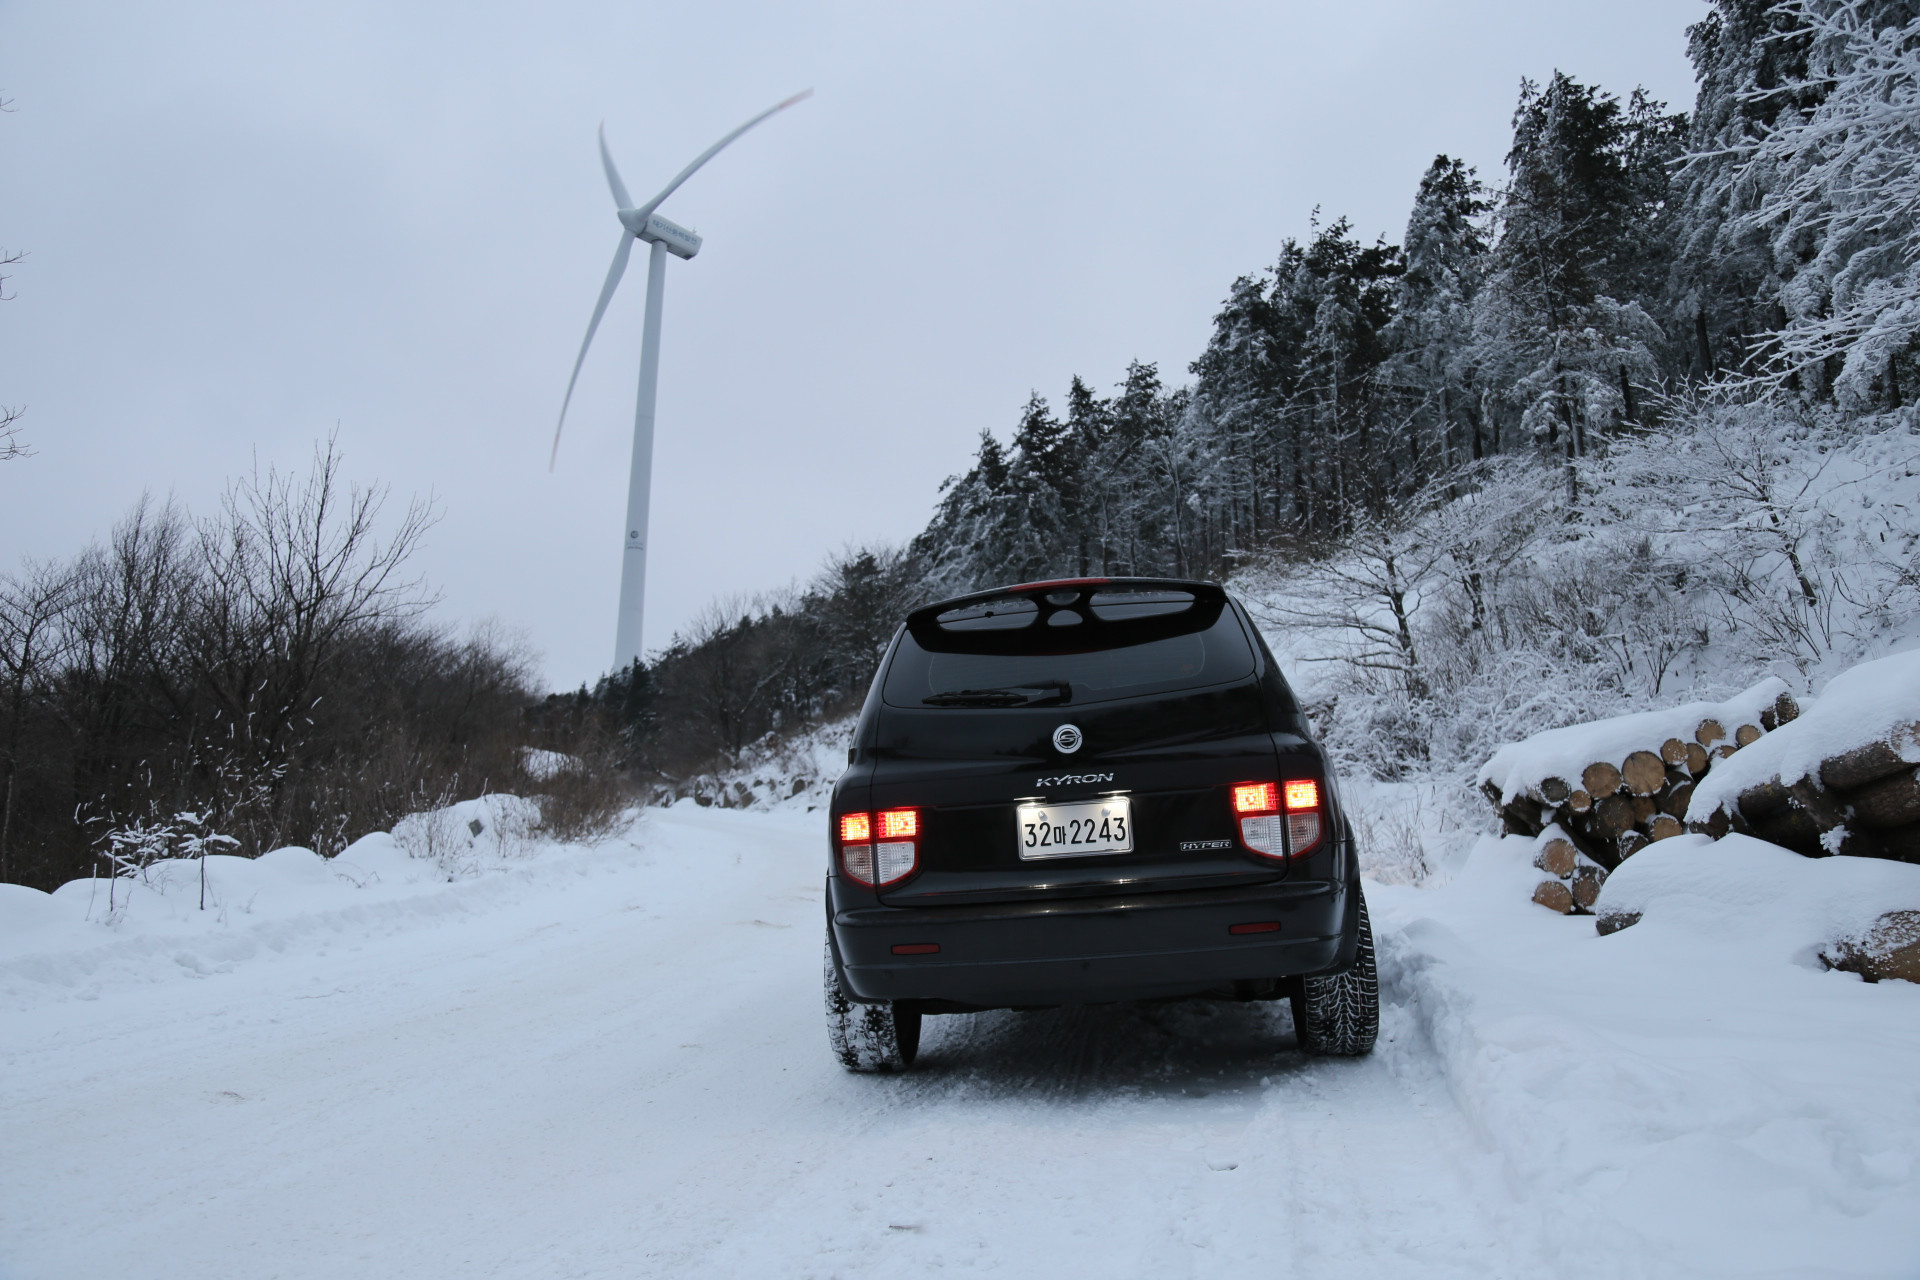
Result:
[[1338, 1015], [867, 1037]]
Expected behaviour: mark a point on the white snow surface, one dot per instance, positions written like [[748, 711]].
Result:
[[1861, 704], [1564, 752], [611, 1062], [1757, 899]]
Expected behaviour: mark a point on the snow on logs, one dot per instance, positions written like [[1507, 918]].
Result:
[[1843, 780], [1595, 794]]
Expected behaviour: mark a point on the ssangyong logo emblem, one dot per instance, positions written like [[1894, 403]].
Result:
[[1067, 739]]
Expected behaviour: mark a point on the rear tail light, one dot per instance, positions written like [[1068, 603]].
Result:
[[1304, 826], [1278, 820], [879, 849]]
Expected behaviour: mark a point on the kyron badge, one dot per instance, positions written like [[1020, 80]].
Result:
[[1067, 739]]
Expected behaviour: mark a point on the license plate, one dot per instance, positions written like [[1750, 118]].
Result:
[[1076, 830]]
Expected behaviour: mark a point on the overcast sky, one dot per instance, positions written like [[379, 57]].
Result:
[[251, 224]]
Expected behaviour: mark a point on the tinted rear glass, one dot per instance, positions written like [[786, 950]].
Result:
[[1120, 645]]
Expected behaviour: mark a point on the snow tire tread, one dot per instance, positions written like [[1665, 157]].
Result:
[[867, 1037], [1338, 1015]]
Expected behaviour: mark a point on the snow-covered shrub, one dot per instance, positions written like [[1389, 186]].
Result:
[[133, 848], [777, 771], [461, 838]]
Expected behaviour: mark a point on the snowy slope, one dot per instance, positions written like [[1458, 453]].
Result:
[[610, 1062]]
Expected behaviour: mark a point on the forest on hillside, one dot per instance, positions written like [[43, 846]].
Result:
[[1647, 311]]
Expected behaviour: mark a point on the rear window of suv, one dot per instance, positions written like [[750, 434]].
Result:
[[1022, 651]]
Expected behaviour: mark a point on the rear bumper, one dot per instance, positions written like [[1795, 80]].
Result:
[[1090, 950]]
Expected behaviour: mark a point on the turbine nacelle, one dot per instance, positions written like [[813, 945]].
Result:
[[652, 228]]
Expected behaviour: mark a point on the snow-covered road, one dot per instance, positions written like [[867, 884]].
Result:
[[611, 1062]]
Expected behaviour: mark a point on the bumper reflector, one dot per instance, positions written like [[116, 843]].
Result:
[[1258, 926], [916, 948]]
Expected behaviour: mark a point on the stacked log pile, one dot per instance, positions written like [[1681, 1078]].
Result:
[[1634, 784], [1863, 801], [1573, 880]]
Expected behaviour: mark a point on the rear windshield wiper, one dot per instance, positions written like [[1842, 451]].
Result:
[[1017, 695]]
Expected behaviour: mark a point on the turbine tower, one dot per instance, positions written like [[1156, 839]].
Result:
[[640, 222]]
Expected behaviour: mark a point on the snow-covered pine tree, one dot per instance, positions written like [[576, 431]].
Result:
[[1840, 186], [1085, 492], [1444, 263], [1246, 381], [1727, 275], [1561, 322]]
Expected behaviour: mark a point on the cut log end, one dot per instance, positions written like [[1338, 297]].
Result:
[[1746, 735], [1889, 949], [1663, 826], [1644, 773], [1586, 886], [1580, 800], [1555, 790], [1613, 816], [1557, 857], [1673, 751], [1600, 778], [1615, 921], [1709, 732], [1697, 759], [1554, 895]]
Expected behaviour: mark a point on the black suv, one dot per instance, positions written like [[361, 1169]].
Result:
[[1082, 791]]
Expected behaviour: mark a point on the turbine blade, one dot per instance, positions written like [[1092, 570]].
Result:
[[620, 197], [618, 269], [715, 149]]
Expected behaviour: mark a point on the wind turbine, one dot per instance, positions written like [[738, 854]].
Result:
[[640, 222]]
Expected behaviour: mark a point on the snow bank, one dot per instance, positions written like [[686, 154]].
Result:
[[155, 924], [1562, 753], [1860, 705], [1692, 1096], [1741, 895]]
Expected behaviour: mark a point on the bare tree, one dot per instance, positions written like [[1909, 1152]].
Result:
[[11, 445], [293, 568], [31, 609]]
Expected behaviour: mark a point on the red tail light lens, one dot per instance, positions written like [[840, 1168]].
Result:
[[899, 824], [1304, 827], [1256, 797], [891, 857], [897, 853], [1258, 808]]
